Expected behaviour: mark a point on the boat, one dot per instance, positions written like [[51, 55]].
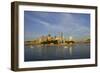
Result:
[[65, 47]]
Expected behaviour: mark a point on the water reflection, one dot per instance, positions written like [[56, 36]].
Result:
[[76, 51], [70, 50]]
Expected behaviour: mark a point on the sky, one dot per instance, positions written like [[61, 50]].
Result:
[[38, 23]]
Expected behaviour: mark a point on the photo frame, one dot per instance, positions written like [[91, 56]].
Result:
[[52, 36]]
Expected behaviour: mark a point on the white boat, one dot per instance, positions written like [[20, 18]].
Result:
[[65, 47], [31, 46]]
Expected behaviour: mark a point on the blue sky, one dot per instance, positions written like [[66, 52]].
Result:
[[38, 23]]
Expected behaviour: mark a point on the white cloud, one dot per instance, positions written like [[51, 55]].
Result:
[[67, 23]]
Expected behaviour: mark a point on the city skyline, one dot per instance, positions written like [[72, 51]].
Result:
[[37, 24]]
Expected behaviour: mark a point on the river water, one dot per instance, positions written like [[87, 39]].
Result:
[[76, 51]]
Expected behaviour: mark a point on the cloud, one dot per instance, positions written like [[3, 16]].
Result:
[[69, 24]]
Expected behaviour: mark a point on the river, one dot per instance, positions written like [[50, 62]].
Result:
[[75, 51]]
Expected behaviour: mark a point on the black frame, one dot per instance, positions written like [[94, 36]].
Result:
[[14, 35]]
